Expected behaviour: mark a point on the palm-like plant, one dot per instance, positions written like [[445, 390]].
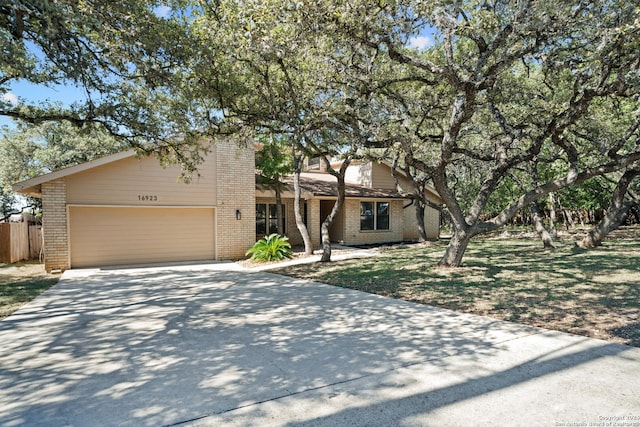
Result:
[[273, 247]]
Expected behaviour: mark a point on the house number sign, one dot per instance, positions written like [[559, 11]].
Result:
[[147, 198]]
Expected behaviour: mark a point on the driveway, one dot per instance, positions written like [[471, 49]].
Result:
[[213, 345]]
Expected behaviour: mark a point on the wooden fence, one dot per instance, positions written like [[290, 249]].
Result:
[[20, 241]]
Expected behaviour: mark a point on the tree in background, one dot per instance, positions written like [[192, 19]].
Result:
[[616, 213], [7, 200], [512, 81], [29, 151], [274, 163], [126, 57], [505, 87]]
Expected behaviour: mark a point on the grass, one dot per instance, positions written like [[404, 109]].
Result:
[[20, 283], [595, 293]]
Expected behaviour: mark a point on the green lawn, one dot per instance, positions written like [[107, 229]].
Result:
[[594, 293], [20, 283]]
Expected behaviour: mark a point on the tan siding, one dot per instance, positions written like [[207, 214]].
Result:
[[112, 235], [381, 177], [432, 223], [125, 181], [360, 174]]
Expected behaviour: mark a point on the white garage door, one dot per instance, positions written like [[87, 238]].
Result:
[[125, 235]]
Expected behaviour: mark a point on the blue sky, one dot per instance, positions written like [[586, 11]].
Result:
[[32, 93]]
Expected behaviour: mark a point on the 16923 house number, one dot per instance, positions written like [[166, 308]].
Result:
[[147, 198]]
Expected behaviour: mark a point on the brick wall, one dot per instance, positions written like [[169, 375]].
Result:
[[313, 221], [431, 223], [54, 225], [354, 236], [235, 191]]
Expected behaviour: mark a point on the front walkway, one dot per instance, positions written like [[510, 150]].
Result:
[[216, 345], [338, 253]]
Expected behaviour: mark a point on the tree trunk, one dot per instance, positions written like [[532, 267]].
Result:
[[569, 223], [302, 227], [455, 249], [326, 241], [615, 215], [538, 223], [553, 231], [326, 224], [279, 216], [610, 222], [420, 208]]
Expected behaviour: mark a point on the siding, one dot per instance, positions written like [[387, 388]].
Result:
[[127, 181], [381, 177]]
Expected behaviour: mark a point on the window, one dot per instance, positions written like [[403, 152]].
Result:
[[267, 216], [374, 215], [382, 216], [313, 163]]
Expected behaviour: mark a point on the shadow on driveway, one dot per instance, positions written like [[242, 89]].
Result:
[[165, 346]]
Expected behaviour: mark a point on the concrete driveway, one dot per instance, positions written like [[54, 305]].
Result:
[[209, 345]]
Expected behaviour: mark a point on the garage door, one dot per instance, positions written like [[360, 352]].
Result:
[[125, 235]]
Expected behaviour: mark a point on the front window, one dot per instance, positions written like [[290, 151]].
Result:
[[374, 216], [366, 216], [261, 219], [267, 216], [382, 216]]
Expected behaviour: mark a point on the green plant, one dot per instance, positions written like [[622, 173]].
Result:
[[273, 247]]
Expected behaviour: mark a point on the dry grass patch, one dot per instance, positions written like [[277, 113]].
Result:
[[595, 293], [20, 283]]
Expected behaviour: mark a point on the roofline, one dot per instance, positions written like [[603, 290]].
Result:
[[30, 184]]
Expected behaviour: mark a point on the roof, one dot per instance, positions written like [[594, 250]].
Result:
[[430, 191], [33, 186], [313, 184], [321, 184]]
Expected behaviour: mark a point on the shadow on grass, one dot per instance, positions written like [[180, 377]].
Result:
[[592, 293], [16, 290]]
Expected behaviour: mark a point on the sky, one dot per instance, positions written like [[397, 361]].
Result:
[[32, 93], [420, 42]]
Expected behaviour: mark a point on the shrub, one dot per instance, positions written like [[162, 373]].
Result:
[[273, 247]]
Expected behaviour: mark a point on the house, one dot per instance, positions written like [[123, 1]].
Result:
[[374, 211], [123, 209]]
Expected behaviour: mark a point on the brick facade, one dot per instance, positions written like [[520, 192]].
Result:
[[354, 236], [54, 225], [231, 191], [346, 226], [235, 192]]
